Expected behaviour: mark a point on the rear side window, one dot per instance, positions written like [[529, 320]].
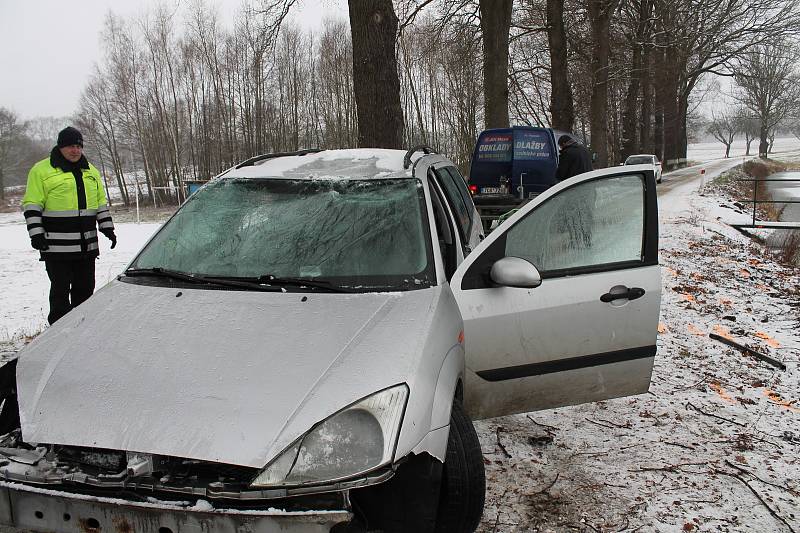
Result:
[[462, 210], [461, 184]]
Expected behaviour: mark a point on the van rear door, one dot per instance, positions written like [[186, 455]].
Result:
[[535, 161]]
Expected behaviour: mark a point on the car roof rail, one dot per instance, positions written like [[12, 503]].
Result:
[[253, 160], [414, 149]]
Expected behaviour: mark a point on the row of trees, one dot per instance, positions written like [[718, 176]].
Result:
[[180, 97]]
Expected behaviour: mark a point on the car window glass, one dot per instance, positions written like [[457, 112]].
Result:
[[456, 201], [360, 233], [461, 184], [593, 223], [445, 230]]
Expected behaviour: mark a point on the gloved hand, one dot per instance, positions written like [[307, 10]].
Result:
[[39, 242], [109, 233]]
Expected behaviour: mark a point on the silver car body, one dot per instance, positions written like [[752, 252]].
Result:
[[236, 377]]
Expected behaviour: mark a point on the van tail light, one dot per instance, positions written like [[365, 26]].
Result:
[[473, 189]]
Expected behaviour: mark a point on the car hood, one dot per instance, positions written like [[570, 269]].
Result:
[[213, 375]]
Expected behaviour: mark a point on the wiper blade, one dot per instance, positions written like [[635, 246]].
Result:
[[275, 281], [195, 278]]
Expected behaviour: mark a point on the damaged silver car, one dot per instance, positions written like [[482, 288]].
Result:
[[303, 345]]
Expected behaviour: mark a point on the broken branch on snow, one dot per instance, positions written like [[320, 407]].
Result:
[[757, 495], [747, 351], [693, 406]]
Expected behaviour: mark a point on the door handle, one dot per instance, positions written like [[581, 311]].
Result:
[[621, 292]]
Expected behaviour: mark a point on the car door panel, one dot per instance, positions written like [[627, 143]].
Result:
[[560, 343]]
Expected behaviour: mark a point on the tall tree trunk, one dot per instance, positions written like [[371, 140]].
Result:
[[373, 25], [630, 144], [645, 133], [600, 20], [639, 71], [495, 25], [672, 114], [763, 144], [562, 111]]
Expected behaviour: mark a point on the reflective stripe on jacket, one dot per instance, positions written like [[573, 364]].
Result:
[[69, 217]]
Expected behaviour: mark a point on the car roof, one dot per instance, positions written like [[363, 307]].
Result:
[[357, 163], [641, 155]]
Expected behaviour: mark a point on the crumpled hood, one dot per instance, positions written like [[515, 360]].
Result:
[[228, 376]]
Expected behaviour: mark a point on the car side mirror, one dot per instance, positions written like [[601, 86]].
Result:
[[515, 272]]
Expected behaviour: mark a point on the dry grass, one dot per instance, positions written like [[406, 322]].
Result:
[[790, 249]]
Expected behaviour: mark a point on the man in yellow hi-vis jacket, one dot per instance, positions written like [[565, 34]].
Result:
[[64, 204]]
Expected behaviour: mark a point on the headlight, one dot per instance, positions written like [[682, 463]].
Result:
[[355, 440]]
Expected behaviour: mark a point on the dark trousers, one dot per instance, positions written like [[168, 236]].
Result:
[[71, 284]]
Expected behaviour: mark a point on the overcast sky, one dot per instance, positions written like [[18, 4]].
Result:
[[51, 46]]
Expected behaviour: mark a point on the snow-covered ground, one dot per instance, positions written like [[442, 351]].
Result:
[[712, 447]]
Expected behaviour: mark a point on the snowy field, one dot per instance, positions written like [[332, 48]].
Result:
[[712, 447], [716, 150]]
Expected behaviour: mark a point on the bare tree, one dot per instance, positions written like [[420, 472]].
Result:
[[767, 85], [11, 130], [749, 126], [724, 127]]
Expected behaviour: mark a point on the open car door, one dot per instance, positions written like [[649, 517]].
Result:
[[560, 303]]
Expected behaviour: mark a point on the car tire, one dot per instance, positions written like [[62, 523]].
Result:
[[463, 486]]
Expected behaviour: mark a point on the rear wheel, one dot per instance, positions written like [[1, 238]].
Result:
[[463, 487]]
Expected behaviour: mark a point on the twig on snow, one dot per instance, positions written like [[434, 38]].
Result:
[[688, 447], [757, 495], [548, 487], [693, 385], [497, 518], [627, 524], [667, 468], [693, 406], [749, 473], [500, 444], [545, 426], [596, 423]]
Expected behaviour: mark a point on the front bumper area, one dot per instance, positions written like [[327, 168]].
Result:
[[33, 508]]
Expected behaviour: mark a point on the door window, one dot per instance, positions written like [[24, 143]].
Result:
[[445, 230], [594, 223], [454, 197]]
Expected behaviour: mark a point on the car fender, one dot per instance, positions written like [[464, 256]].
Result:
[[451, 373], [450, 376]]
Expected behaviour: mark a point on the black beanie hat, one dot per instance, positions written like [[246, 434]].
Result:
[[564, 140], [69, 136]]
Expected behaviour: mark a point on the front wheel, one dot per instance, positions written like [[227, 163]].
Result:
[[463, 487]]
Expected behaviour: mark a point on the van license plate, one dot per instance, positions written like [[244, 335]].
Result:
[[491, 190]]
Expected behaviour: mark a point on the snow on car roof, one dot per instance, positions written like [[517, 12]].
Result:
[[355, 163]]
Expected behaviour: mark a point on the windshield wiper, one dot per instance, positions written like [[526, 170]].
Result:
[[276, 281], [195, 278]]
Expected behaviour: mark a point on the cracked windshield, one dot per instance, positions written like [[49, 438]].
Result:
[[353, 233]]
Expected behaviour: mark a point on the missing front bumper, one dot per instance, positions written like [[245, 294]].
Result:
[[29, 508]]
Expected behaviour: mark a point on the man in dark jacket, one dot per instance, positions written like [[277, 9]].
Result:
[[65, 205], [573, 159]]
